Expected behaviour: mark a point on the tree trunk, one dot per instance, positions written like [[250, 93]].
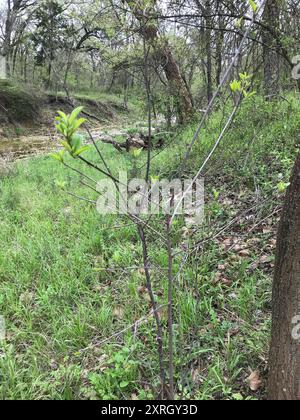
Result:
[[270, 50], [6, 47], [165, 58], [177, 84], [48, 83], [209, 23], [10, 27], [284, 377], [219, 55]]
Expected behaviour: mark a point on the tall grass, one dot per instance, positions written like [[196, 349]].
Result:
[[70, 278]]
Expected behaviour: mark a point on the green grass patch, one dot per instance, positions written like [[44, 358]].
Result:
[[71, 280]]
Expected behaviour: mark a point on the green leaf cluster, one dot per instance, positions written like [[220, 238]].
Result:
[[243, 85], [68, 126]]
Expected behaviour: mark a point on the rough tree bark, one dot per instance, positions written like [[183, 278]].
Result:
[[270, 50], [165, 58], [284, 376]]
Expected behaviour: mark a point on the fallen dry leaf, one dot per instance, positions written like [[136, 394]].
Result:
[[118, 312], [218, 276], [196, 374], [234, 331], [163, 313], [226, 281], [237, 248], [244, 253], [267, 231], [27, 298], [254, 381], [141, 289], [185, 232], [265, 259], [227, 243], [147, 297]]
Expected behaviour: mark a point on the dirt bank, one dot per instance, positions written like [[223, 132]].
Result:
[[27, 119]]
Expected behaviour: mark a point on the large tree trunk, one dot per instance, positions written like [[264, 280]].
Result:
[[165, 58], [270, 50], [284, 377]]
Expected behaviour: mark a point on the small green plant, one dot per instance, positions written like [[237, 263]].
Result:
[[135, 154], [132, 131], [216, 194], [118, 377], [67, 126], [242, 86], [282, 186], [19, 131], [154, 179]]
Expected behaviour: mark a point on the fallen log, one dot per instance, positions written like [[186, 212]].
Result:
[[141, 142]]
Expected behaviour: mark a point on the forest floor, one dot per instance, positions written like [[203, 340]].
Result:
[[72, 284]]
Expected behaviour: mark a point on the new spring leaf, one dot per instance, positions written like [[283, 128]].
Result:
[[253, 5]]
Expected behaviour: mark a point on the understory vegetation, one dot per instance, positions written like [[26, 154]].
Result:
[[72, 284], [121, 276]]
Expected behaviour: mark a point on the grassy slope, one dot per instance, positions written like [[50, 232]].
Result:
[[60, 302]]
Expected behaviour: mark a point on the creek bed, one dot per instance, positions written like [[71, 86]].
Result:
[[24, 146]]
